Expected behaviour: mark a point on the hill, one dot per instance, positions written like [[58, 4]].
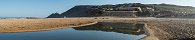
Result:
[[128, 10]]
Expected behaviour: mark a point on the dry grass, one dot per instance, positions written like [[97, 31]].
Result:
[[24, 25]]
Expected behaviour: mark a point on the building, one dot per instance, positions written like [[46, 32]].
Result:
[[128, 9]]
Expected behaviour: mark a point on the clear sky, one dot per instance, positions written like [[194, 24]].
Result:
[[43, 8]]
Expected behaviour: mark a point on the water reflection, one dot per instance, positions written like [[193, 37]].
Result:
[[125, 28], [100, 31]]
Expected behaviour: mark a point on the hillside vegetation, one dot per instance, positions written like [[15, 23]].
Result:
[[147, 10]]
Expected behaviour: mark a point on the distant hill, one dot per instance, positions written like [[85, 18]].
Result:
[[55, 15], [127, 10], [168, 10]]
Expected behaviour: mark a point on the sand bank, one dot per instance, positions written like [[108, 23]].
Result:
[[28, 25]]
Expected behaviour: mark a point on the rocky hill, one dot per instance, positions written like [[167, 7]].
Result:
[[128, 10]]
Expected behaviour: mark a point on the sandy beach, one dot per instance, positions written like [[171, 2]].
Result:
[[27, 25]]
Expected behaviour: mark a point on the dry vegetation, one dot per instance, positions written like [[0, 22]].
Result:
[[24, 25]]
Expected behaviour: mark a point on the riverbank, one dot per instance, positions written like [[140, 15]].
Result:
[[29, 25]]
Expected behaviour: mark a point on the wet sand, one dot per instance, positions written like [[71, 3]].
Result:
[[28, 25]]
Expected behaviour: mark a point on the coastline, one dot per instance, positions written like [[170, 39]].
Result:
[[150, 34]]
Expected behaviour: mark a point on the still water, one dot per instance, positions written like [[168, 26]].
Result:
[[100, 31]]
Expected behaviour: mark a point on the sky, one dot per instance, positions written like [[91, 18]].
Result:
[[43, 8]]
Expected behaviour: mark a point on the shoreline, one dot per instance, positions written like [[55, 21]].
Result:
[[150, 34], [52, 28], [162, 28]]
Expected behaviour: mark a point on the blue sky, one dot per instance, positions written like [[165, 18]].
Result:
[[43, 8]]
